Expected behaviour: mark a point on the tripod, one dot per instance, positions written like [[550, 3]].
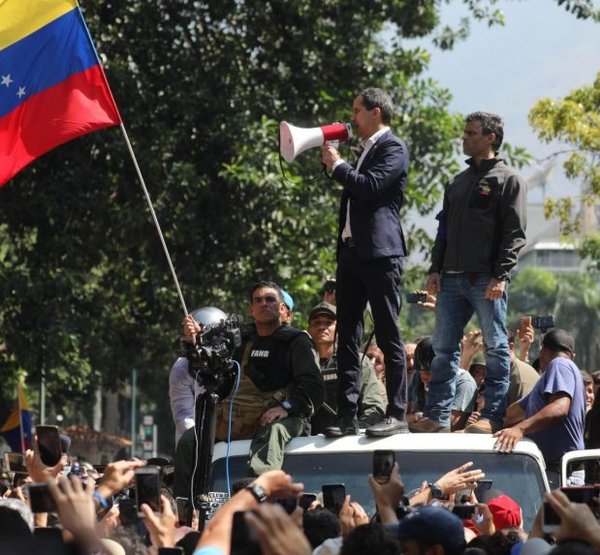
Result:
[[217, 388]]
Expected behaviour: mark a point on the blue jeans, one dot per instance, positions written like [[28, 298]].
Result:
[[461, 296]]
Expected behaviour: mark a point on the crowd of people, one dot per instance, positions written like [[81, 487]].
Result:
[[95, 514], [286, 382]]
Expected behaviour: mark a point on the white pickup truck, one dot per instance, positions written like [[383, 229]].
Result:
[[422, 458]]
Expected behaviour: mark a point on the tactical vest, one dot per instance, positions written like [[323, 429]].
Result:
[[251, 401], [268, 362]]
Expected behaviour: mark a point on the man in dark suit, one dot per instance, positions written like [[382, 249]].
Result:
[[369, 259]]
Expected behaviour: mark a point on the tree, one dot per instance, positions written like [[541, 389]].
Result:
[[86, 292], [574, 120]]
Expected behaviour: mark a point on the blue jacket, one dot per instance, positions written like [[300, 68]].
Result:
[[375, 193]]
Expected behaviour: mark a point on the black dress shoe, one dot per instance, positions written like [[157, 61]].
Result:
[[388, 426], [343, 428]]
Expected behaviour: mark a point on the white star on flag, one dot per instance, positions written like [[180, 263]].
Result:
[[6, 80], [21, 92]]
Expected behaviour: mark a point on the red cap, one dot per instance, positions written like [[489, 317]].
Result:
[[506, 513]]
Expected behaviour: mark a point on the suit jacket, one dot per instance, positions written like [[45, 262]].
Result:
[[375, 193]]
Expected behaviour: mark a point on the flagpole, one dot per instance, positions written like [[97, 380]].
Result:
[[157, 225], [137, 169]]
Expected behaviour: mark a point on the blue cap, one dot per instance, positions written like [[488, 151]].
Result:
[[433, 526], [287, 299]]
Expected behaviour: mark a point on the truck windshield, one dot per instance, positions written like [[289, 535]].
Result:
[[516, 475]]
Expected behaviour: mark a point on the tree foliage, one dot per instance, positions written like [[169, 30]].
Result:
[[201, 85], [574, 120]]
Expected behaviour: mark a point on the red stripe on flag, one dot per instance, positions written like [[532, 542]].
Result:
[[79, 105]]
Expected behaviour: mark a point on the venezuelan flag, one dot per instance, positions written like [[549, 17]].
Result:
[[52, 86], [17, 429]]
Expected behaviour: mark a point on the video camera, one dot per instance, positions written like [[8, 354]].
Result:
[[216, 343]]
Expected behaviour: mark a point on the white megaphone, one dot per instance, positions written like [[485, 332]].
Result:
[[295, 140]]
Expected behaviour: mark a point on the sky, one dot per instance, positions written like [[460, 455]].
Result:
[[541, 51]]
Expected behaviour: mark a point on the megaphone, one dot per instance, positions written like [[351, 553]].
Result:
[[295, 140]]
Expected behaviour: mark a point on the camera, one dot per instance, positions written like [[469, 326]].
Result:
[[543, 322], [214, 348]]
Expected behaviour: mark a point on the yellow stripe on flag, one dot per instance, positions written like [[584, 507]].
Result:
[[20, 18]]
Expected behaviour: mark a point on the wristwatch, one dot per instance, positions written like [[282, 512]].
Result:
[[258, 492], [436, 492], [285, 404]]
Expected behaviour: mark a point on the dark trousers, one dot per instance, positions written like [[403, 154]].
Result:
[[376, 281]]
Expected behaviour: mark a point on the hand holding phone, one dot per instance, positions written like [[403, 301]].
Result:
[[306, 500], [40, 499], [334, 496], [550, 519], [147, 488], [48, 443], [383, 463], [416, 297]]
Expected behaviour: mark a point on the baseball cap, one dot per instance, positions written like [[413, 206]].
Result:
[[506, 512], [433, 526], [287, 299], [559, 340], [323, 308]]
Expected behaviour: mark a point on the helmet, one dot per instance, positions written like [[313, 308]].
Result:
[[208, 316]]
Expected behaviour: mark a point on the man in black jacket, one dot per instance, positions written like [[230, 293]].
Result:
[[481, 231], [369, 259]]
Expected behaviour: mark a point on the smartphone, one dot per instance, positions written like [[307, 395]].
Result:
[[413, 298], [243, 538], [550, 519], [383, 462], [147, 488], [15, 462], [48, 442], [333, 497], [581, 494], [464, 511], [288, 504], [463, 496], [306, 500], [524, 323], [482, 485], [543, 322], [40, 499], [182, 504]]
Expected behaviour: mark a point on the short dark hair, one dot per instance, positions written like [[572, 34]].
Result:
[[490, 123], [320, 525], [370, 538], [270, 285], [373, 97]]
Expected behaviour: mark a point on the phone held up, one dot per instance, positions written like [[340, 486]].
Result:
[[147, 488], [414, 298], [383, 463], [333, 497], [48, 442], [15, 462], [40, 499]]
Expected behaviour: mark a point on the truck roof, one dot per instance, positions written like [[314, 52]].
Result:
[[468, 443]]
